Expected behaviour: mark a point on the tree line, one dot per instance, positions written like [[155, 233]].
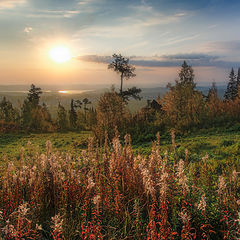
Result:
[[35, 117], [183, 107]]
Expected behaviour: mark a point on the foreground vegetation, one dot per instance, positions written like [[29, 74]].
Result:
[[109, 193]]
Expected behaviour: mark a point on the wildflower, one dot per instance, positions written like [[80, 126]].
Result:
[[202, 204], [221, 185], [38, 227], [96, 199], [9, 230], [22, 209], [234, 176], [182, 179], [57, 224], [185, 217], [91, 183], [164, 185], [147, 182], [117, 146]]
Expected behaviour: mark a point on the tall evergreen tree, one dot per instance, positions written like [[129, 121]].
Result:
[[62, 120], [86, 102], [183, 105], [186, 76], [232, 90], [34, 95], [7, 112], [34, 116], [212, 93], [72, 115], [238, 81]]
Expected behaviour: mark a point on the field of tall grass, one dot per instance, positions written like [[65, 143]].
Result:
[[110, 192]]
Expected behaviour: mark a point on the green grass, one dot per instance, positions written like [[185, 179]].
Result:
[[10, 144], [221, 146]]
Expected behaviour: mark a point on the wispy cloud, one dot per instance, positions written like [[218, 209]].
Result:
[[133, 26], [87, 2], [194, 59], [5, 4], [53, 13], [28, 29], [223, 46], [146, 15]]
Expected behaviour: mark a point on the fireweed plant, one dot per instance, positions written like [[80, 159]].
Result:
[[108, 193]]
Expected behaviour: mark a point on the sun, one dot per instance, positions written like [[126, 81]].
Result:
[[60, 54]]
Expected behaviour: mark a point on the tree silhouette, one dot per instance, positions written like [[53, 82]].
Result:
[[212, 93], [86, 102], [62, 120], [238, 81], [121, 66], [186, 75], [232, 90], [34, 95], [72, 115]]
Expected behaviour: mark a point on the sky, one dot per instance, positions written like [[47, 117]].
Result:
[[157, 36]]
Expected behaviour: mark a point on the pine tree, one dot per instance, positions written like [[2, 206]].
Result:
[[186, 76], [232, 90], [62, 120], [183, 105], [238, 81], [7, 112], [34, 116], [72, 115], [212, 93], [34, 95], [86, 102]]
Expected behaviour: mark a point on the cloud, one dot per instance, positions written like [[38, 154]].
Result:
[[95, 58], [87, 2], [148, 16], [223, 46], [194, 59], [27, 29], [5, 4], [190, 56], [54, 13]]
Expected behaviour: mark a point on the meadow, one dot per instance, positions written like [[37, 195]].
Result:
[[219, 143], [71, 188]]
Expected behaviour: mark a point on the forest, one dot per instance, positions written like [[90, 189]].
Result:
[[183, 108]]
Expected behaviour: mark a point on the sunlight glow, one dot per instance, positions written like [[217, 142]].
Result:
[[63, 91], [60, 54]]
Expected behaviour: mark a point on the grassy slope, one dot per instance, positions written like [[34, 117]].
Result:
[[221, 146], [218, 145], [10, 144]]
